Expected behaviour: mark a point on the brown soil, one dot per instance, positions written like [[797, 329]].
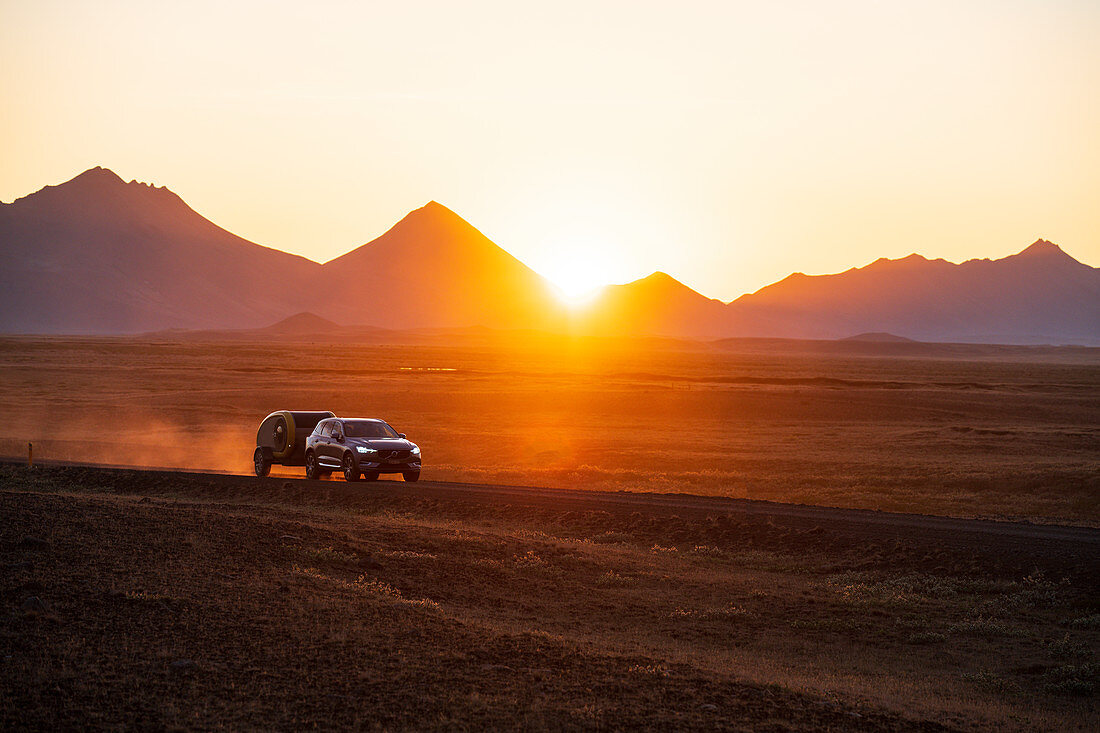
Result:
[[206, 601]]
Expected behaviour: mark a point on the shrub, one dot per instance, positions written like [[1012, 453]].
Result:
[[1072, 679], [613, 579], [988, 680], [729, 612], [1086, 622], [1067, 648]]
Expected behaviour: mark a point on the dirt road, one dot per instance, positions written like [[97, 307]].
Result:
[[1000, 546]]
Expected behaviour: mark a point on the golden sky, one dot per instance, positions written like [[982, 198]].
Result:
[[727, 143]]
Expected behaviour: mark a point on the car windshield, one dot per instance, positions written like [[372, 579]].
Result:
[[368, 429]]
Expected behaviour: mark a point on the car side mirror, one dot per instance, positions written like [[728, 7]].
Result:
[[401, 435], [339, 437]]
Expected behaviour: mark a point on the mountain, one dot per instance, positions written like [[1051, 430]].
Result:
[[879, 337], [657, 305], [1041, 295], [433, 269], [98, 255], [304, 323]]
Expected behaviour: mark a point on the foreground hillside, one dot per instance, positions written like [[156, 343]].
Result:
[[158, 600]]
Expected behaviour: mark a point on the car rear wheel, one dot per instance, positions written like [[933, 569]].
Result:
[[313, 471], [351, 471], [411, 476], [262, 462]]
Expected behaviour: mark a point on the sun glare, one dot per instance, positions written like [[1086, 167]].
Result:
[[579, 271], [577, 295]]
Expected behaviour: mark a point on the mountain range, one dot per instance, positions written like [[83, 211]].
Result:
[[99, 255]]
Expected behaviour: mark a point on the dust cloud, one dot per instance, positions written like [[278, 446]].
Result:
[[134, 438]]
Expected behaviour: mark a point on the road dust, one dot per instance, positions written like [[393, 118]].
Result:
[[133, 438]]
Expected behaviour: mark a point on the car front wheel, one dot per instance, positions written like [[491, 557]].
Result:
[[351, 471], [411, 476], [312, 470]]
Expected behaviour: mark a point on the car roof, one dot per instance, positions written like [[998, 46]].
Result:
[[364, 419]]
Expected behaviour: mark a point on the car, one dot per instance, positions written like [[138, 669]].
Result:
[[360, 447], [281, 438]]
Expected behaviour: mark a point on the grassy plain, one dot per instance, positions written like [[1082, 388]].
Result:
[[973, 431], [208, 602]]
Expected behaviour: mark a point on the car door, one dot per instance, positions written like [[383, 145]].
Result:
[[320, 443], [334, 447]]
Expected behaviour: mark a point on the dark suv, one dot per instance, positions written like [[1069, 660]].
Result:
[[360, 447]]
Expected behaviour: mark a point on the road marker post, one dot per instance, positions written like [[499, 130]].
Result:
[[30, 454]]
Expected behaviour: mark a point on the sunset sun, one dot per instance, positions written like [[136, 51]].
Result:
[[579, 269]]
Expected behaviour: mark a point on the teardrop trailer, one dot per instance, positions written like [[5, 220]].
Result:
[[360, 448], [281, 439]]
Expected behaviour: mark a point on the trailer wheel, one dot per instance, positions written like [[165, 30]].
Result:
[[262, 462]]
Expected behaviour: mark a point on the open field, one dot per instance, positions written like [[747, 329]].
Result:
[[954, 430], [204, 601]]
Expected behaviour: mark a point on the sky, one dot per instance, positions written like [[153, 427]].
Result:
[[726, 143]]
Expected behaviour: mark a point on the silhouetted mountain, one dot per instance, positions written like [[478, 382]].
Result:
[[433, 269], [879, 337], [305, 322], [1041, 295], [657, 305], [97, 255]]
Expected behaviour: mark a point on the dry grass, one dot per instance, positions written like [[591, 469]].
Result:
[[428, 614], [976, 438]]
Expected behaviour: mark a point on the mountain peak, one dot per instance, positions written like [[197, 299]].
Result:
[[909, 261], [434, 209], [661, 281], [432, 217], [660, 278], [304, 322], [879, 337], [1042, 247], [1045, 251], [661, 284], [97, 175], [101, 187]]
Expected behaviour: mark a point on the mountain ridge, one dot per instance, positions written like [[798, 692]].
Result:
[[97, 254]]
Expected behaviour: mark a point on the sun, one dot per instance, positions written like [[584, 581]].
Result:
[[577, 293], [579, 270]]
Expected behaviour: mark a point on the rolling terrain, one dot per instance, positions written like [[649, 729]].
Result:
[[162, 599]]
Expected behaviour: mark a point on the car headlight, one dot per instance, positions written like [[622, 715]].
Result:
[[365, 451], [416, 450]]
